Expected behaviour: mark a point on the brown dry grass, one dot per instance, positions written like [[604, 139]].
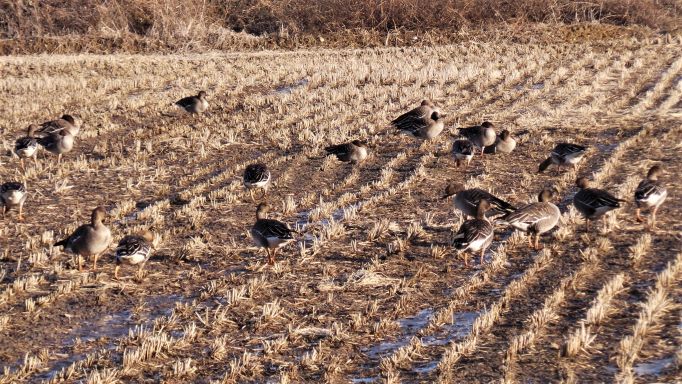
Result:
[[372, 288], [171, 25]]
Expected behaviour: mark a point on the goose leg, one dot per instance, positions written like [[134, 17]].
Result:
[[251, 193], [652, 225], [273, 260], [80, 263], [116, 271], [265, 192], [638, 215], [21, 210], [466, 259], [530, 240], [94, 263], [537, 242], [59, 159], [482, 255], [587, 224], [23, 168], [35, 159], [4, 210]]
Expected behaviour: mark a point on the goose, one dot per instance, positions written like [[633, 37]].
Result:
[[504, 143], [535, 218], [475, 235], [467, 200], [256, 176], [70, 123], [59, 142], [424, 121], [353, 152], [270, 234], [480, 135], [13, 195], [88, 239], [593, 203], [463, 150], [564, 154], [134, 250], [27, 146], [650, 194], [194, 104]]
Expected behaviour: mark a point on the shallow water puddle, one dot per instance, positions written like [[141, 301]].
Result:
[[409, 327], [460, 327], [654, 367]]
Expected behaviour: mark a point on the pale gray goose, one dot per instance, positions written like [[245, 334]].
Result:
[[535, 218], [88, 239], [425, 121]]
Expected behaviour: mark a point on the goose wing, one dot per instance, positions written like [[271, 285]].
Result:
[[567, 149], [256, 173], [130, 246], [414, 120], [472, 231], [269, 228], [646, 189]]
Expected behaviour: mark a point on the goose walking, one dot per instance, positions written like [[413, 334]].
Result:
[[564, 154], [650, 194], [480, 135], [256, 176], [353, 152], [475, 235], [535, 218], [134, 250], [593, 203], [194, 104], [27, 146], [88, 239], [463, 150], [13, 195], [59, 142], [270, 234], [425, 121], [468, 200]]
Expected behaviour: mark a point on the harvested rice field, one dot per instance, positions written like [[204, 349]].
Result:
[[371, 290]]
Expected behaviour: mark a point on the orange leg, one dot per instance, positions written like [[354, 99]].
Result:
[[116, 271], [638, 215], [482, 255], [652, 224], [537, 242], [80, 263], [530, 240]]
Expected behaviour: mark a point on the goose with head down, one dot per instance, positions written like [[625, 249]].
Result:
[[475, 235]]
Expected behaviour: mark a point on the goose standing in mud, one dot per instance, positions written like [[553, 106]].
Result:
[[134, 250], [88, 239], [27, 146], [480, 135], [256, 176], [13, 195], [593, 203], [270, 234], [650, 194], [535, 218], [475, 235], [564, 154]]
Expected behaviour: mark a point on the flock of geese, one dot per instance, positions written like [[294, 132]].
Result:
[[474, 236]]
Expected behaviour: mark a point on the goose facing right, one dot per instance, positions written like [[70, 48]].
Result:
[[467, 200], [650, 194], [194, 104], [58, 142], [88, 239], [353, 152], [535, 218], [564, 154], [425, 121], [480, 135], [70, 123], [593, 203]]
